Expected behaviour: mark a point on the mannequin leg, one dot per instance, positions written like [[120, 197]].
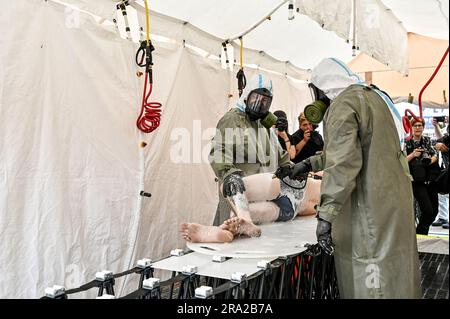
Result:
[[197, 233], [264, 212], [259, 189]]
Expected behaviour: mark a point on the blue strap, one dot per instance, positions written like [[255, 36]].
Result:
[[240, 106], [390, 104], [386, 99]]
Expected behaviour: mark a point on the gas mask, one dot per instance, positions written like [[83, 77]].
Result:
[[315, 111], [257, 107]]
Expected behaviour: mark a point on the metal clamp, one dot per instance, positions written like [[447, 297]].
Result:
[[203, 292], [151, 283], [177, 252], [189, 270], [263, 264], [103, 275], [238, 277], [144, 263], [55, 291]]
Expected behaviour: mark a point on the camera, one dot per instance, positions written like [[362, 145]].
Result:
[[424, 158], [439, 119], [282, 124]]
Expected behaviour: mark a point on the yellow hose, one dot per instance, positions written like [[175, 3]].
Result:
[[147, 20], [242, 53]]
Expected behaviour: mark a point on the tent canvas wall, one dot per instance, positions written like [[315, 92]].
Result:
[[71, 165], [71, 161]]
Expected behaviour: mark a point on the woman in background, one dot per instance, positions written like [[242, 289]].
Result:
[[422, 159], [306, 140]]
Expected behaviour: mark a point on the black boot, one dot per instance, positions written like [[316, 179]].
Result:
[[420, 230]]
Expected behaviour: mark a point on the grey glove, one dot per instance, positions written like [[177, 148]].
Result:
[[233, 184], [323, 233]]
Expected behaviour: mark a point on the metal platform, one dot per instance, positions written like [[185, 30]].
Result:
[[277, 240], [207, 267]]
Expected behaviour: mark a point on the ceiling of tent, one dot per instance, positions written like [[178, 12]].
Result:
[[221, 18], [422, 16], [301, 41]]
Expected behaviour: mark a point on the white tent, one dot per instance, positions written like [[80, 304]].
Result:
[[380, 29], [72, 164]]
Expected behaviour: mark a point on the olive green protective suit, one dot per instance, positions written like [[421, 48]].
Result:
[[366, 194], [242, 145]]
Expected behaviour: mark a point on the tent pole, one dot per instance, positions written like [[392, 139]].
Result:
[[258, 23]]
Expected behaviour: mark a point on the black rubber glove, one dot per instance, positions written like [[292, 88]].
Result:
[[282, 124], [301, 169], [323, 233], [284, 170], [233, 184]]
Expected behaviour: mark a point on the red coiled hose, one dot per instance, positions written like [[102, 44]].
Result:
[[406, 123], [150, 116]]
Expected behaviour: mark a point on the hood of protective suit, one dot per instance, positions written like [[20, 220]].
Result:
[[258, 81], [333, 76]]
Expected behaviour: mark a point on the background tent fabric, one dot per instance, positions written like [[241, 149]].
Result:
[[425, 17], [424, 56], [388, 37], [381, 26]]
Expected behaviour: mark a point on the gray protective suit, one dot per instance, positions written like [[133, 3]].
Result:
[[366, 190]]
